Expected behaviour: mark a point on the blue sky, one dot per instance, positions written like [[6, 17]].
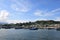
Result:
[[15, 11]]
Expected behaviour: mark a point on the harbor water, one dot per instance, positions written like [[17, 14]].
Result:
[[26, 34]]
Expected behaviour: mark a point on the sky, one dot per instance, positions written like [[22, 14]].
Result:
[[16, 11]]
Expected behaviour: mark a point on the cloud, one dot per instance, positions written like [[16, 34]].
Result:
[[46, 13], [57, 18], [3, 15], [20, 6], [38, 13], [16, 21], [41, 13], [40, 19], [55, 10], [21, 9]]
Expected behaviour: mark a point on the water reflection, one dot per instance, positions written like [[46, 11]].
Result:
[[26, 34]]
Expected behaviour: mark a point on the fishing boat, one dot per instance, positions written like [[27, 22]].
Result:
[[58, 29], [33, 28], [50, 28], [18, 27]]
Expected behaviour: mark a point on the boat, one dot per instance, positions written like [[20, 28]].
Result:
[[50, 28], [33, 28], [18, 27], [58, 29]]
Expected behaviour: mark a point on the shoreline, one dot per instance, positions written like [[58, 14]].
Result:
[[36, 27]]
